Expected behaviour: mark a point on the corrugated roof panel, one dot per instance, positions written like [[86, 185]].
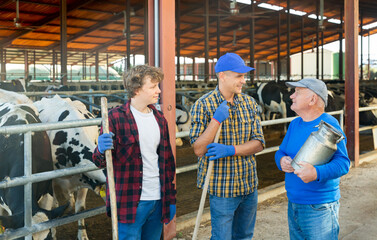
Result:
[[81, 46], [31, 43]]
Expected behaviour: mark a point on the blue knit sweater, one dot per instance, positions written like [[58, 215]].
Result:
[[325, 188]]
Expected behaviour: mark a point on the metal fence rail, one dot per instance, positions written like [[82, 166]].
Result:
[[22, 232], [30, 178], [194, 166], [37, 127], [52, 93], [86, 97]]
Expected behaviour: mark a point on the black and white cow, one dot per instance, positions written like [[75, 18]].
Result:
[[15, 98], [275, 99], [30, 87], [56, 88], [367, 99], [335, 101], [13, 85], [12, 165], [182, 118], [72, 147], [182, 122]]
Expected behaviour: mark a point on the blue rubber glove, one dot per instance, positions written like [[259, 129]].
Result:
[[172, 211], [218, 150], [222, 112], [105, 142]]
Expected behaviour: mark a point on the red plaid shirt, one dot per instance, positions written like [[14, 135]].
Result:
[[128, 164]]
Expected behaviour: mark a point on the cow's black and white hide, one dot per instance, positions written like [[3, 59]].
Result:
[[72, 147], [252, 92], [56, 88], [275, 99], [335, 101], [15, 98], [35, 88], [366, 99], [12, 165], [182, 118], [182, 121], [13, 85]]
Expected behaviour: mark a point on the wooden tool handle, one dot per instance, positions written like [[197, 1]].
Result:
[[110, 171], [204, 192]]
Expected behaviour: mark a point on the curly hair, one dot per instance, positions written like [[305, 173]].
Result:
[[134, 79]]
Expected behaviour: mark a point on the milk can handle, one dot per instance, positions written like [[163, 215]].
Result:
[[340, 139]]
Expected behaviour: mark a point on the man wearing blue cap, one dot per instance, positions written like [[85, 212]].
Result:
[[313, 191], [233, 185]]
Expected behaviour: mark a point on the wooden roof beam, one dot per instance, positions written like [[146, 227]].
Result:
[[298, 29], [308, 42], [245, 23], [46, 57], [40, 3], [296, 45], [191, 9], [10, 58], [114, 41], [116, 17], [95, 27], [200, 25], [77, 4], [22, 12], [247, 36], [5, 3], [224, 30]]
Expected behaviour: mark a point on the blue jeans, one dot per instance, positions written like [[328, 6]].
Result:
[[233, 218], [147, 225], [313, 221]]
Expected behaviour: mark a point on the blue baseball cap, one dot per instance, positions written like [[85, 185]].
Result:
[[232, 62]]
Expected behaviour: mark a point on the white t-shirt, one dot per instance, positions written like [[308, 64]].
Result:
[[149, 138]]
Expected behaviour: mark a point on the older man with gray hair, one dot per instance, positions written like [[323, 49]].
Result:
[[313, 191]]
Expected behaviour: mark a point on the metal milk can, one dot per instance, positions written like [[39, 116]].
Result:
[[319, 147]]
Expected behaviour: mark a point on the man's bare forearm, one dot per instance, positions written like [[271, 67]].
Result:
[[249, 148]]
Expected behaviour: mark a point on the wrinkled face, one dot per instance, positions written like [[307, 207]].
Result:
[[301, 99], [149, 92], [233, 81]]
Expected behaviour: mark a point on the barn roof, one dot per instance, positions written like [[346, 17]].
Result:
[[99, 26]]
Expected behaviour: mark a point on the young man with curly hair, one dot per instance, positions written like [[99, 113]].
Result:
[[144, 166]]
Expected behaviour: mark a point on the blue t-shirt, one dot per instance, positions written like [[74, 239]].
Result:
[[325, 188]]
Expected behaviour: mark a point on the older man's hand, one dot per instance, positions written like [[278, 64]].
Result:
[[307, 172], [285, 163]]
